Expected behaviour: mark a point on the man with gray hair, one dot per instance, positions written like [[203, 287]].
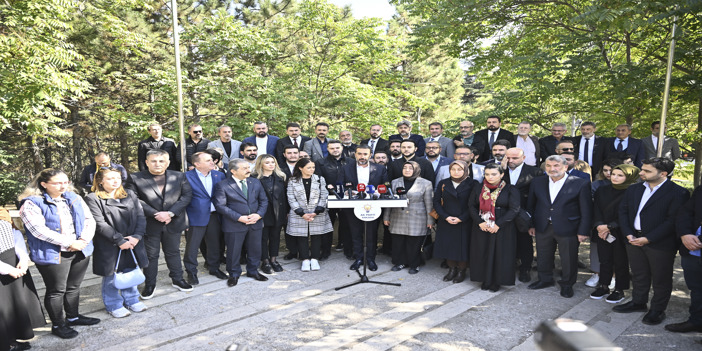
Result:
[[529, 144], [561, 211], [624, 143], [404, 129], [548, 143], [226, 143]]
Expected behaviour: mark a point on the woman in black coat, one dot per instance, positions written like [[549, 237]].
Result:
[[611, 243], [454, 223], [120, 227], [273, 181], [493, 251]]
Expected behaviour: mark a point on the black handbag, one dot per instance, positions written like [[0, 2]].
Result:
[[523, 221], [427, 250]]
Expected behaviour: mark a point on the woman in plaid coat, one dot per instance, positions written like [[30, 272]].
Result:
[[307, 196]]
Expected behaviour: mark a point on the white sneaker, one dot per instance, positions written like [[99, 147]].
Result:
[[306, 266], [612, 284], [592, 282], [314, 265], [119, 313], [137, 307]]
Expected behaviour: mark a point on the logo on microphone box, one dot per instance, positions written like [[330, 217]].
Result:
[[369, 211]]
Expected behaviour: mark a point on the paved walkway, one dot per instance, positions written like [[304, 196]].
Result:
[[295, 310]]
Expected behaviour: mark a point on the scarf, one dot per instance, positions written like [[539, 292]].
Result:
[[488, 196], [631, 173], [466, 170], [415, 170]]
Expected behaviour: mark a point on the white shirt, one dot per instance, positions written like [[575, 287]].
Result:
[[363, 174], [431, 138], [435, 163], [514, 174], [654, 138], [590, 147], [261, 144], [238, 183], [625, 143], [529, 149], [644, 199], [497, 132], [291, 167], [298, 139], [555, 187], [206, 181]]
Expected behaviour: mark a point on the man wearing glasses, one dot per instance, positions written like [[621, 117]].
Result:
[[566, 149], [465, 154], [194, 143], [433, 155], [548, 144]]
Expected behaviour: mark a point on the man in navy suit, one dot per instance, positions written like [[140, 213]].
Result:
[[375, 142], [624, 143], [204, 220], [561, 211], [404, 132], [242, 202], [491, 134], [265, 143], [647, 219], [433, 155], [363, 172]]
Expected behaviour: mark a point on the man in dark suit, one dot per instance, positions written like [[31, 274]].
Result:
[[348, 147], [242, 202], [409, 153], [468, 138], [291, 155], [157, 142], [265, 143], [688, 228], [590, 147], [624, 143], [404, 132], [102, 160], [548, 143], [204, 220], [561, 212], [647, 219], [520, 175], [497, 152], [433, 155], [363, 172], [317, 147], [671, 149], [492, 133], [436, 129], [329, 168], [164, 195], [195, 142], [375, 142], [293, 138]]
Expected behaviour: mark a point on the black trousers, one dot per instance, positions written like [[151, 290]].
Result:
[[235, 242], [270, 241], [62, 283], [613, 259], [651, 268], [407, 250], [692, 269], [546, 243], [291, 244], [312, 246], [171, 251], [343, 234], [525, 251], [357, 228], [194, 238]]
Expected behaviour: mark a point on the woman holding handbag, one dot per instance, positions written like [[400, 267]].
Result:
[[118, 245]]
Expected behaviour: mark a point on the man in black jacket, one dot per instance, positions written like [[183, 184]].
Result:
[[404, 132], [647, 219], [409, 149], [293, 138], [491, 134], [329, 168], [375, 142], [194, 143], [154, 142]]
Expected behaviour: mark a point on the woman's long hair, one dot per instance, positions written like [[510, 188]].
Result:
[[258, 168], [34, 187], [100, 192], [297, 173]]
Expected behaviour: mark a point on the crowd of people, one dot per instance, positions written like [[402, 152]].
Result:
[[479, 198]]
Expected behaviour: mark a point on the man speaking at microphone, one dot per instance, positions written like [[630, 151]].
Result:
[[362, 172]]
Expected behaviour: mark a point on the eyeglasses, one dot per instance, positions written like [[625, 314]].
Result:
[[197, 131], [464, 127], [432, 147], [568, 149]]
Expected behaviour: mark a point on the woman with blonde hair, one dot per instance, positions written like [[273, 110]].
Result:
[[60, 229], [120, 228], [273, 181], [582, 166]]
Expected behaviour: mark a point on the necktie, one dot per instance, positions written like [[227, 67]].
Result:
[[372, 145], [586, 154], [620, 147], [244, 189], [295, 142], [432, 139], [492, 139]]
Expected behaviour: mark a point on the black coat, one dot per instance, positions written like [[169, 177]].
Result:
[[285, 141], [548, 146], [690, 217], [427, 170], [453, 240], [116, 219], [606, 209], [276, 191], [175, 198], [382, 144], [484, 134], [571, 212], [330, 169]]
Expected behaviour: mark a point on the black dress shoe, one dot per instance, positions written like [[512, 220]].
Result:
[[444, 264], [267, 268], [540, 285], [397, 267], [232, 281], [276, 266], [630, 307], [372, 266], [182, 285], [192, 279], [567, 291], [20, 346], [259, 277], [63, 331], [684, 327], [289, 256], [484, 286], [147, 292], [219, 274], [451, 274], [460, 276], [413, 270], [653, 317], [524, 276], [356, 265], [83, 320], [495, 288]]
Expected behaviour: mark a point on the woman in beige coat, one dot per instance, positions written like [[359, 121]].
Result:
[[409, 225]]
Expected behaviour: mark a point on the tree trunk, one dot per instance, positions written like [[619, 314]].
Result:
[[124, 145], [698, 147], [36, 155], [77, 137]]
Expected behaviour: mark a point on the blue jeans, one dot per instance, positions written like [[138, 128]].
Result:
[[114, 298]]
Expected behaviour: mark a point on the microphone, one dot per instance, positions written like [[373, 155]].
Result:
[[382, 190], [332, 190], [370, 189], [361, 191], [401, 192], [340, 189], [388, 186], [348, 186]]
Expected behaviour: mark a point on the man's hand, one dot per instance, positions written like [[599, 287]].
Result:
[[163, 217], [691, 242], [386, 223], [582, 238], [126, 246], [244, 219], [532, 231], [637, 241]]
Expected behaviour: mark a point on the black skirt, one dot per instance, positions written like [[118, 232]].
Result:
[[20, 310]]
